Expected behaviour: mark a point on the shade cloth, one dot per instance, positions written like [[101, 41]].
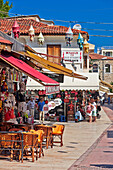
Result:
[[28, 69]]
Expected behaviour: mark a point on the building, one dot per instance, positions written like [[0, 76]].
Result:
[[105, 50], [103, 65], [55, 47]]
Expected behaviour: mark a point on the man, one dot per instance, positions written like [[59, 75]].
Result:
[[40, 106], [31, 106]]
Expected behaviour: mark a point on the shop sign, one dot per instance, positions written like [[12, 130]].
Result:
[[52, 89], [51, 105], [58, 102], [66, 100], [72, 55]]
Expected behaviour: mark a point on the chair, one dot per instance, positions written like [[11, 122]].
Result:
[[47, 134], [6, 145], [29, 140], [58, 132], [38, 142]]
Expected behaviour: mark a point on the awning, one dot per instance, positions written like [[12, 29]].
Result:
[[31, 72], [54, 67]]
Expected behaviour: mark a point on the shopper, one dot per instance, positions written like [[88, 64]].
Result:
[[89, 111], [94, 110], [31, 106], [40, 106]]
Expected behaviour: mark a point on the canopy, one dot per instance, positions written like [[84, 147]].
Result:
[[54, 67], [31, 72]]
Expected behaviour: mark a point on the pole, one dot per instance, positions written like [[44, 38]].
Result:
[[103, 70]]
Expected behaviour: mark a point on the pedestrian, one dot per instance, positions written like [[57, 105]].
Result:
[[94, 109], [31, 106], [40, 106], [89, 111]]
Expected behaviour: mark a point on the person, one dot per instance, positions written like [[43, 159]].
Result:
[[89, 111], [94, 109], [40, 106], [31, 106]]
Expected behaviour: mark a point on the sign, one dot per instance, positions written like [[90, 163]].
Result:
[[72, 55], [51, 105], [58, 102], [52, 89], [66, 100]]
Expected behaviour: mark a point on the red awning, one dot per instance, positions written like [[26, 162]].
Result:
[[28, 70]]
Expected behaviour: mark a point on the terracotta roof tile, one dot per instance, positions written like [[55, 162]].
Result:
[[24, 24], [95, 56]]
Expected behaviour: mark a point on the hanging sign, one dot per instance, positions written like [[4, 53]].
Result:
[[66, 100], [72, 55], [52, 89]]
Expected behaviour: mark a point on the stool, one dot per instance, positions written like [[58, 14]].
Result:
[[62, 118]]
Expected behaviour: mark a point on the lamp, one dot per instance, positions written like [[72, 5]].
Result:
[[80, 41], [16, 30], [86, 46], [40, 39], [69, 36], [31, 33]]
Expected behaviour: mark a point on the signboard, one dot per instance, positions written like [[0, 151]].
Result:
[[58, 102], [66, 100], [72, 55], [52, 89]]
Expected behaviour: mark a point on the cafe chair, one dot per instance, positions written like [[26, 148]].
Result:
[[6, 145], [38, 142], [57, 131], [47, 137]]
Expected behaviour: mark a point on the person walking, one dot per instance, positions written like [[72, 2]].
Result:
[[40, 106]]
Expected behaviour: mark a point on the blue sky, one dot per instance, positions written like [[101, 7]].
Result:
[[74, 10]]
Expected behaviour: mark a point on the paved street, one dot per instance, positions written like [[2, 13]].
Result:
[[100, 155], [78, 138]]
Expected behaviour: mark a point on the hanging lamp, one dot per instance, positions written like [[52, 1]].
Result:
[[86, 46], [69, 36], [80, 41], [40, 39], [15, 29], [31, 33]]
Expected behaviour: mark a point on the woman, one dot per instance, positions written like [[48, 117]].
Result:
[[89, 111]]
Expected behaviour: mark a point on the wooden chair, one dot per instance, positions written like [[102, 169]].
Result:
[[29, 140], [58, 132], [47, 134], [38, 142], [6, 145]]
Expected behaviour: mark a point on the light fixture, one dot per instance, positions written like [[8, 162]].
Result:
[[80, 41], [16, 30], [86, 46], [40, 39], [31, 33], [69, 36]]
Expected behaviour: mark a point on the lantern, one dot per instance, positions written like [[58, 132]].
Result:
[[69, 36], [80, 41], [86, 46], [16, 30], [31, 33], [40, 39]]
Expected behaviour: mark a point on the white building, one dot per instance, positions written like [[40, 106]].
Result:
[[55, 45]]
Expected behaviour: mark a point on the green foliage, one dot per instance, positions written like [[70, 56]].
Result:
[[111, 90], [5, 7]]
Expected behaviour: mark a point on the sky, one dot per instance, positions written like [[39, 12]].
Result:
[[98, 11]]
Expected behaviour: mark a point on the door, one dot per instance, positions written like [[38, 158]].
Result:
[[54, 50]]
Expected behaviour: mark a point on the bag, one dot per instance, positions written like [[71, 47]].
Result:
[[98, 108]]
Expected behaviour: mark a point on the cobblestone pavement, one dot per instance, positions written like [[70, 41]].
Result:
[[78, 138], [100, 154]]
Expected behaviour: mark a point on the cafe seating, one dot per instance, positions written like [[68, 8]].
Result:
[[57, 131], [6, 145], [48, 138], [38, 142]]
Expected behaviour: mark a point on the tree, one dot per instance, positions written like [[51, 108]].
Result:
[[4, 8]]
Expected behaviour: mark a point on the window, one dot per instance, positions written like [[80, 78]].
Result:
[[107, 68], [108, 53], [95, 68]]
